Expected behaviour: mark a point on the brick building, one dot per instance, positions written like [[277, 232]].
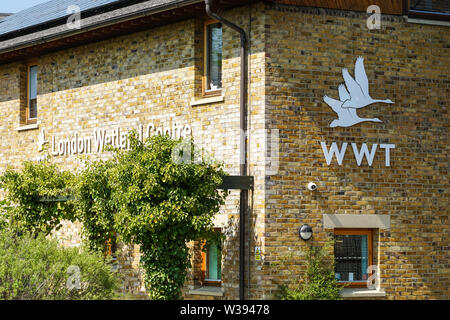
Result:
[[73, 78]]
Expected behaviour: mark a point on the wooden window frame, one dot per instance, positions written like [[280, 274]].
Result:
[[111, 246], [208, 93], [426, 15], [29, 120], [358, 231], [205, 267]]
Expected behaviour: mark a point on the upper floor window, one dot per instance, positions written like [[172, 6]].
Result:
[[32, 93], [212, 79], [429, 9], [353, 255]]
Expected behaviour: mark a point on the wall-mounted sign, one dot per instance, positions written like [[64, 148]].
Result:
[[258, 253], [359, 153], [100, 138], [353, 95]]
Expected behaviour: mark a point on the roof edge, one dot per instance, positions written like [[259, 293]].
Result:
[[110, 7], [103, 23]]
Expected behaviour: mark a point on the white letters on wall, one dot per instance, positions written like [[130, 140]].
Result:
[[101, 138], [359, 154], [334, 150], [353, 95]]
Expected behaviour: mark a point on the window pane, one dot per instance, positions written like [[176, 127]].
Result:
[[33, 93], [352, 257], [439, 6], [33, 82], [214, 56], [33, 109], [214, 262]]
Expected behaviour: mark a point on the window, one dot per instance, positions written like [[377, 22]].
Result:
[[111, 246], [428, 9], [212, 263], [111, 251], [352, 255], [212, 79], [31, 113]]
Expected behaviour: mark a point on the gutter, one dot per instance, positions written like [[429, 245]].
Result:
[[243, 203]]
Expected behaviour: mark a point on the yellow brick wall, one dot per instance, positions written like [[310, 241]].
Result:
[[130, 80], [296, 57], [408, 63]]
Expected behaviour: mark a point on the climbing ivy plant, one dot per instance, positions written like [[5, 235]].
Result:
[[94, 207], [165, 199]]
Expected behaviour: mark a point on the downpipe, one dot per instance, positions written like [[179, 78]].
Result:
[[243, 203]]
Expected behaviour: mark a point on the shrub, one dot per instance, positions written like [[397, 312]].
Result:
[[152, 195], [319, 278], [33, 267], [94, 206], [24, 187], [163, 203]]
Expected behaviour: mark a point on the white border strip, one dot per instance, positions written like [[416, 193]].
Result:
[[331, 221], [431, 22]]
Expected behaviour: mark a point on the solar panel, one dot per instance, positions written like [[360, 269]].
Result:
[[44, 12]]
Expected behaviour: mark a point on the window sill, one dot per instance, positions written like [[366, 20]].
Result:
[[430, 22], [207, 291], [27, 127], [207, 100], [362, 293]]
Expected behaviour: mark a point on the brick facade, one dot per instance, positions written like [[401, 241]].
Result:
[[296, 57], [306, 49]]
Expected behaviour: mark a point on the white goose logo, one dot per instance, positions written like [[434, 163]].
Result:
[[356, 97]]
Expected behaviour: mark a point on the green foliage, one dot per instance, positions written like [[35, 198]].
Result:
[[319, 278], [162, 204], [94, 205], [36, 268], [24, 188], [148, 195]]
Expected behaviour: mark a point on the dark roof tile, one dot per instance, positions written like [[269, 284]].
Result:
[[46, 12]]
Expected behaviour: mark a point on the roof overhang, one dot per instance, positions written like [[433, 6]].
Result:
[[104, 26]]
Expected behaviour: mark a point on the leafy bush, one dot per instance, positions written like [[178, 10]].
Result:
[[162, 204], [94, 206], [24, 188], [160, 194], [3, 215], [36, 268], [319, 278]]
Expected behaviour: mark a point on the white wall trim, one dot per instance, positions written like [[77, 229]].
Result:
[[362, 293], [331, 221], [207, 291], [28, 127], [209, 100], [430, 22]]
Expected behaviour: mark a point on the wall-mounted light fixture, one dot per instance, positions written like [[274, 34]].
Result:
[[305, 232]]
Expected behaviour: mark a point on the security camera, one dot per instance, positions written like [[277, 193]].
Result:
[[312, 186]]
